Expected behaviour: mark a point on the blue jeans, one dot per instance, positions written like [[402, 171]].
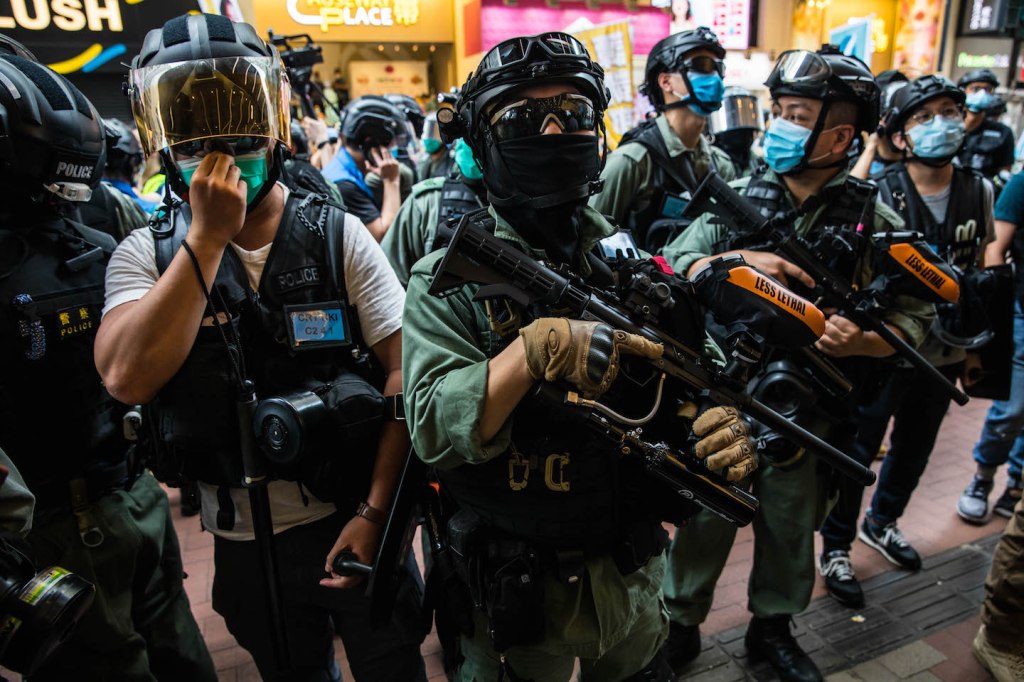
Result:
[[1002, 436]]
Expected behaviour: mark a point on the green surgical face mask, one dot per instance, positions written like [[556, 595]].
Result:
[[431, 145], [253, 167], [467, 164]]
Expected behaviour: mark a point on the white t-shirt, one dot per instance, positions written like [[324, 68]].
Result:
[[372, 287]]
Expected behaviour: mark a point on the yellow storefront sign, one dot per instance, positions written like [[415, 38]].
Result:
[[429, 21]]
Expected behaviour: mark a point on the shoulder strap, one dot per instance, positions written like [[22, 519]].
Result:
[[169, 227], [334, 245], [649, 136]]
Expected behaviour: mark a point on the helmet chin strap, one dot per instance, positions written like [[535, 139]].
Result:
[[816, 132]]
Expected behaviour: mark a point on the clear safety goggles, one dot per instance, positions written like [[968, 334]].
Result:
[[184, 102], [801, 67]]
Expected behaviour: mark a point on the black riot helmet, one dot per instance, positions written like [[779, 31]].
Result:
[[548, 58], [412, 110], [978, 76], [909, 98], [668, 55], [371, 121], [53, 141], [12, 46], [124, 153], [830, 76], [204, 76]]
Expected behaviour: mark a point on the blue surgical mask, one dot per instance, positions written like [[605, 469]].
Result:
[[466, 162], [876, 167], [939, 139], [708, 89], [253, 167], [431, 146], [979, 100], [785, 145]]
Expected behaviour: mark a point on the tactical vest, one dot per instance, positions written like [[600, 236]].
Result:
[[674, 179], [844, 210], [194, 413], [559, 484], [980, 147], [57, 422], [958, 237], [457, 199]]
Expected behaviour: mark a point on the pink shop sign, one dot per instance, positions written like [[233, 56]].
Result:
[[530, 17]]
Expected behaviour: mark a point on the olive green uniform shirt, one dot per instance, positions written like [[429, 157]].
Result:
[[911, 316], [446, 346], [411, 236], [629, 173]]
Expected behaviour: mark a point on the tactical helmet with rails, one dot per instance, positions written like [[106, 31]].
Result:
[[52, 143], [910, 97], [830, 76], [517, 63], [668, 54], [204, 76], [978, 76], [371, 121], [124, 153]]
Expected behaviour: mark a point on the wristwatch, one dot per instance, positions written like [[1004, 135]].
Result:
[[371, 514]]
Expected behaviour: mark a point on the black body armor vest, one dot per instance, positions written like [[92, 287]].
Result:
[[194, 414], [57, 421], [457, 199], [958, 237], [982, 145]]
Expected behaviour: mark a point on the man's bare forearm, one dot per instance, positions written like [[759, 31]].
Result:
[[141, 345]]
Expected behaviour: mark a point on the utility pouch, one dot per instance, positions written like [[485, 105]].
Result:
[[514, 595]]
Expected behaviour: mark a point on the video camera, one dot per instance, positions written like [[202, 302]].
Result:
[[38, 610], [299, 54]]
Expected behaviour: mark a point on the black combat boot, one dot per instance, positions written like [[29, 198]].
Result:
[[682, 645], [769, 639]]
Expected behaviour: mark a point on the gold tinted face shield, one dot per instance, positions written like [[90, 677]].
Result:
[[204, 98]]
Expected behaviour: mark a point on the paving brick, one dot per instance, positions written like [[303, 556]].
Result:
[[842, 677], [954, 672], [730, 672], [923, 676], [911, 659], [873, 671]]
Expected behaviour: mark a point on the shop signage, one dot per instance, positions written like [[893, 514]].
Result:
[[983, 53], [86, 35], [327, 13], [983, 16]]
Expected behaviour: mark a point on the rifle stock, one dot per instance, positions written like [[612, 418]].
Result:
[[475, 256], [715, 196]]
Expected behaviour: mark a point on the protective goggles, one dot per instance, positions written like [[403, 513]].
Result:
[[530, 116], [236, 146], [198, 99], [703, 65], [517, 50]]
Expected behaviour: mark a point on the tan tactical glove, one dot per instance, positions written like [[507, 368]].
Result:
[[725, 442], [584, 353]]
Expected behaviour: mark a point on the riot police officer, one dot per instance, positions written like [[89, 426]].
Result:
[[648, 178], [821, 102], [432, 204], [249, 287], [989, 145], [114, 207], [437, 160], [564, 553], [952, 208], [57, 422], [368, 130], [734, 128]]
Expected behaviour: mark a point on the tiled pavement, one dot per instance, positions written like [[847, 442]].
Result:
[[930, 524]]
